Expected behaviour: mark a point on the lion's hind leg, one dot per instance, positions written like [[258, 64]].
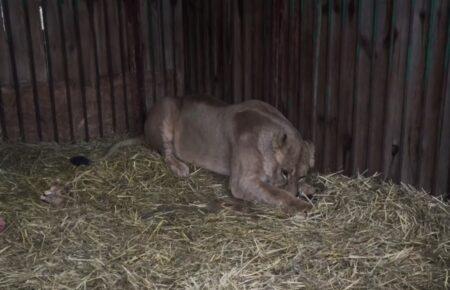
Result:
[[178, 167]]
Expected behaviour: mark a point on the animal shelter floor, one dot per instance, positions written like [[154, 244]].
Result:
[[127, 222]]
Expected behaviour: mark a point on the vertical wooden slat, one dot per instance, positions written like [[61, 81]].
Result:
[[89, 62], [332, 87], [292, 58], [447, 196], [433, 79], [105, 83], [398, 43], [267, 46], [161, 38], [136, 65], [274, 57], [149, 55], [380, 58], [322, 31], [204, 49], [41, 72], [62, 97], [113, 37], [306, 77], [316, 57], [124, 63], [346, 89], [167, 37], [44, 65], [248, 52], [93, 42], [242, 47], [179, 47], [158, 49], [363, 85], [227, 51], [217, 48], [81, 69], [129, 61], [258, 50], [442, 157], [412, 103], [9, 105], [3, 67], [20, 64], [199, 61], [188, 41], [283, 61], [3, 131], [236, 52], [71, 68], [109, 55]]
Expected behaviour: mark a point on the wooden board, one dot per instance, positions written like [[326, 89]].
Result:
[[292, 59], [59, 75], [442, 166], [9, 106], [433, 80], [248, 32], [306, 76], [320, 78], [413, 110], [29, 116], [167, 31], [267, 47], [380, 57], [332, 86], [103, 79], [347, 85], [283, 58], [398, 43], [236, 52], [72, 69], [124, 64], [41, 70], [179, 49], [362, 86]]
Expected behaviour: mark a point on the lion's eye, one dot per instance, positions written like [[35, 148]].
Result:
[[285, 173]]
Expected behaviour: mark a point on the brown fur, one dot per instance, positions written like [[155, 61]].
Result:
[[251, 142]]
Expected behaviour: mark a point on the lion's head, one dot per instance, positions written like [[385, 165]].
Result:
[[292, 158]]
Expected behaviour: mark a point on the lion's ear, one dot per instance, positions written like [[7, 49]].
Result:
[[311, 151], [279, 140]]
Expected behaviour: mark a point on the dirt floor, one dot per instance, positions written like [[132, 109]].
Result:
[[128, 223]]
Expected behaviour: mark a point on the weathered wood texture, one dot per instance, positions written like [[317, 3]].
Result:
[[367, 81], [73, 70]]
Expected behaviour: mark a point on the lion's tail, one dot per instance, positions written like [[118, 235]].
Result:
[[125, 143]]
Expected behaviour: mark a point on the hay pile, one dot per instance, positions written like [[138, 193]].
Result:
[[128, 223]]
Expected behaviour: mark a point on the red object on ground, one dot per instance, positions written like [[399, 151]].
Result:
[[2, 224]]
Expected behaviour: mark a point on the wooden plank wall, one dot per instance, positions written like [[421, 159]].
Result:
[[367, 81], [74, 70]]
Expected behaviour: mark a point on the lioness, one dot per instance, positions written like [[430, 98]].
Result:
[[252, 142]]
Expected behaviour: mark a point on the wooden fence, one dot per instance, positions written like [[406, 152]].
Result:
[[366, 80], [77, 70]]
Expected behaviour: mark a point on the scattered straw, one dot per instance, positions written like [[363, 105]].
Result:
[[128, 223]]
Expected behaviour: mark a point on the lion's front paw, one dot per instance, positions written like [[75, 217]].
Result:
[[178, 168], [297, 206]]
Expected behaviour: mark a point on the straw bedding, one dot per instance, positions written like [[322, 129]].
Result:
[[128, 223]]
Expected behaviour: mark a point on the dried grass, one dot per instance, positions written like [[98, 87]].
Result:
[[128, 223]]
